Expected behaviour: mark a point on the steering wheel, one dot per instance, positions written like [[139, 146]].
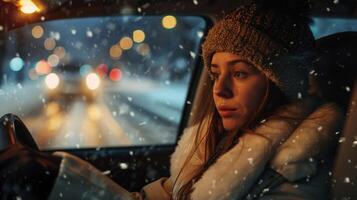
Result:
[[13, 130]]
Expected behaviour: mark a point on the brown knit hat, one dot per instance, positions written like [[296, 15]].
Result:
[[278, 44]]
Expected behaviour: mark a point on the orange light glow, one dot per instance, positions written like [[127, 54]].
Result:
[[28, 7], [169, 22], [115, 74], [42, 67], [37, 32], [115, 52], [94, 112], [126, 43], [138, 36]]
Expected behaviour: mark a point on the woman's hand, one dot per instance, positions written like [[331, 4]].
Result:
[[26, 173]]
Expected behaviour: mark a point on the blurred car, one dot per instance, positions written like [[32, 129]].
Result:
[[72, 85], [160, 78]]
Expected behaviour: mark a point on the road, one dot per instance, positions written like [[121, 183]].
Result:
[[118, 117]]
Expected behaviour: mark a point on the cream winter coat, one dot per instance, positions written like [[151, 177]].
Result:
[[305, 143]]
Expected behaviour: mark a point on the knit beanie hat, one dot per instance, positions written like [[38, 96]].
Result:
[[277, 41]]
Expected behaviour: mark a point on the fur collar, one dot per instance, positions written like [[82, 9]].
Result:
[[234, 173]]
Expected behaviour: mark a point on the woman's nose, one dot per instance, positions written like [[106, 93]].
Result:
[[222, 87]]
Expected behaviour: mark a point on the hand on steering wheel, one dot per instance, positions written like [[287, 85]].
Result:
[[25, 172]]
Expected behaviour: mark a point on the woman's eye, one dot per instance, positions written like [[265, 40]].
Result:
[[214, 75], [240, 75]]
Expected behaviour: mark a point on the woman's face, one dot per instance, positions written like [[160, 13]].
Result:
[[238, 89]]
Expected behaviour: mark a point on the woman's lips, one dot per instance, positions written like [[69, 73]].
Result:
[[226, 111]]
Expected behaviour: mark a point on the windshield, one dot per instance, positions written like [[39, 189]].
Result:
[[100, 82]]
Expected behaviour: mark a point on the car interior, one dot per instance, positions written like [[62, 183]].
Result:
[[85, 79]]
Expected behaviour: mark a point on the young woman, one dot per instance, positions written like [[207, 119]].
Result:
[[256, 135], [257, 125]]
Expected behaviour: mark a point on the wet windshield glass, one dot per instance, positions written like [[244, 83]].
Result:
[[99, 82]]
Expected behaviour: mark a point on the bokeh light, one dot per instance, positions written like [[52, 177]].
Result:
[[42, 67], [28, 7], [92, 81], [126, 43], [115, 52], [115, 74], [169, 22], [16, 64], [143, 49], [94, 112], [52, 81], [37, 31], [60, 52], [102, 70], [53, 60], [50, 43], [33, 74], [52, 109], [85, 69], [138, 36]]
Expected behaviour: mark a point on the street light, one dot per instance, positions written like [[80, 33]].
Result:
[[27, 6]]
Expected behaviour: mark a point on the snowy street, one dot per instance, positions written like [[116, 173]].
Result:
[[120, 116]]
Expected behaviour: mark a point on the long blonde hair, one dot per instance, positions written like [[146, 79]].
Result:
[[211, 133]]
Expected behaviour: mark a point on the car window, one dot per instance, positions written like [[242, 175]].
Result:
[[323, 26], [100, 81]]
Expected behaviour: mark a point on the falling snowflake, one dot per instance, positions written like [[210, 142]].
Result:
[[335, 1], [319, 128], [354, 144], [299, 95], [89, 33], [123, 166], [106, 172], [195, 2], [342, 139], [1, 28], [347, 180], [55, 35], [348, 89], [192, 54]]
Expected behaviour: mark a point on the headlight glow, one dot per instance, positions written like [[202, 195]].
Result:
[[52, 81], [92, 81]]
